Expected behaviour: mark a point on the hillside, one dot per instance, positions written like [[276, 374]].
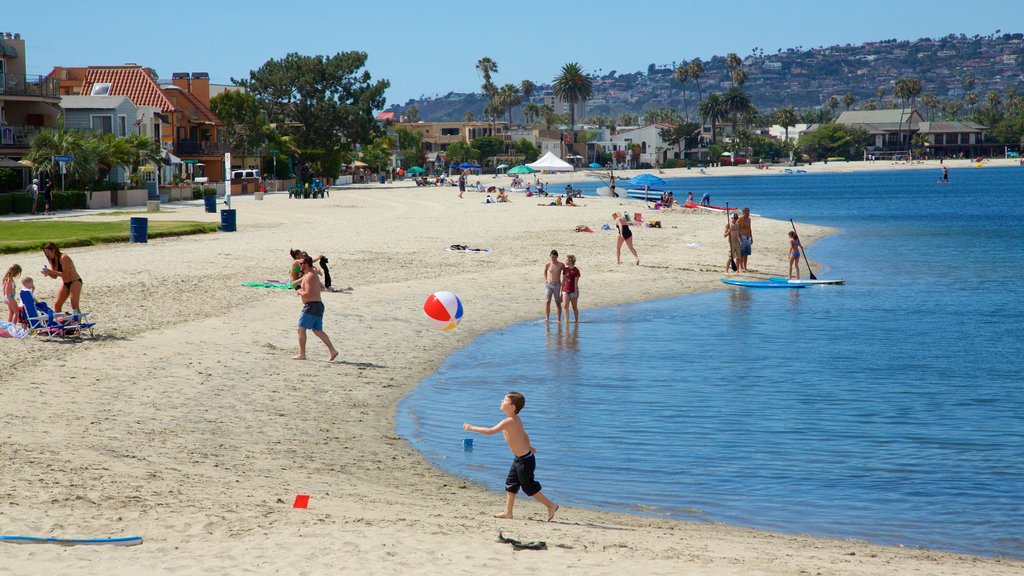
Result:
[[802, 78]]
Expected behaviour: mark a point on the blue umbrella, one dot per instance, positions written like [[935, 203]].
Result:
[[468, 166], [646, 180], [594, 165]]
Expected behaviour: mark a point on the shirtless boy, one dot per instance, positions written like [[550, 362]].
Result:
[[312, 317], [521, 473], [553, 286]]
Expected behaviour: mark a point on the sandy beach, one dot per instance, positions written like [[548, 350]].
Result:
[[186, 422]]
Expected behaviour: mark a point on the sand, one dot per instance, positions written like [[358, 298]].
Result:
[[186, 422]]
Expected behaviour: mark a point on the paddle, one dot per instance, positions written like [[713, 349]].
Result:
[[732, 261], [803, 251]]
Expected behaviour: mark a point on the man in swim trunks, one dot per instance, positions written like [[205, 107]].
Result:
[[746, 240], [553, 285], [312, 317]]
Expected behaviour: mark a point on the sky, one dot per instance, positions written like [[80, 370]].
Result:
[[431, 48]]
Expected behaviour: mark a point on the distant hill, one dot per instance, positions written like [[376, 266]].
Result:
[[803, 78]]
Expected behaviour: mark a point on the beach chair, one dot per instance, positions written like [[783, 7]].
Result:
[[42, 321]]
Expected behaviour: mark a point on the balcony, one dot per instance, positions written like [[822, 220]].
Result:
[[193, 148], [16, 136], [29, 85]]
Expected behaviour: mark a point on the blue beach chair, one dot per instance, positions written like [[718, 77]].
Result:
[[42, 321]]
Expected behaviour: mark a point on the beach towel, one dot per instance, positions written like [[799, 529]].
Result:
[[270, 284], [464, 248], [12, 330]]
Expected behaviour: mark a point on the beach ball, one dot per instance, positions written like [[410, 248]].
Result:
[[443, 310]]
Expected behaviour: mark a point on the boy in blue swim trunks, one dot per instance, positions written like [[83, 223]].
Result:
[[312, 317], [521, 473]]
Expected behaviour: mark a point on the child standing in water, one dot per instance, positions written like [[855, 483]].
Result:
[[521, 473], [571, 287], [794, 253], [8, 292]]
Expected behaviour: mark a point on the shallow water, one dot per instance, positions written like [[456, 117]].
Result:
[[889, 409]]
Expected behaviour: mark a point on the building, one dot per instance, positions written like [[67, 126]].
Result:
[[642, 145], [104, 114], [892, 132], [560, 106], [28, 103], [196, 128]]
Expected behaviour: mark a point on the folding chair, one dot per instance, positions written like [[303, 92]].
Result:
[[42, 321]]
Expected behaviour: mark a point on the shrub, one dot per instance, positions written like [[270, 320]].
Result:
[[209, 191], [6, 200], [69, 200], [197, 192]]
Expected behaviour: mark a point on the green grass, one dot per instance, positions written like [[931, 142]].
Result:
[[32, 236]]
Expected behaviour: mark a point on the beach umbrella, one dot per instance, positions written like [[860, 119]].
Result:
[[521, 169], [502, 166], [468, 166], [646, 180], [416, 170], [594, 165]]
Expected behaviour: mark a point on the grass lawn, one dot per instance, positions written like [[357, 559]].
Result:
[[32, 236]]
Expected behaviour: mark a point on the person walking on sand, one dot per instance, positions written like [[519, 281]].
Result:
[[571, 287], [33, 192], [732, 232], [746, 240], [521, 474], [462, 183], [625, 236], [9, 292], [60, 266], [312, 317], [794, 253], [552, 285]]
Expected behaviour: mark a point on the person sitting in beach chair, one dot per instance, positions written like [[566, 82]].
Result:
[[41, 320]]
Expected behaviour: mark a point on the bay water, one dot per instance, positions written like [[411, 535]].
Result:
[[890, 409]]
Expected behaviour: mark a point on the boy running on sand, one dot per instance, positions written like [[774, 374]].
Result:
[[312, 317], [553, 286], [521, 473]]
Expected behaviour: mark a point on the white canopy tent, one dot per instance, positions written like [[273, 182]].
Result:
[[551, 163]]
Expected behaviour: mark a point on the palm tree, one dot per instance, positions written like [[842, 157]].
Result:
[[143, 151], [532, 112], [527, 88], [712, 110], [510, 98], [573, 86], [739, 77], [736, 102], [932, 102], [787, 117], [848, 100], [971, 99], [832, 104], [487, 66], [59, 141], [468, 116], [696, 70], [682, 75], [879, 93]]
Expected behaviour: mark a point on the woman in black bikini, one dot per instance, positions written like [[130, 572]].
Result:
[[61, 266], [625, 235]]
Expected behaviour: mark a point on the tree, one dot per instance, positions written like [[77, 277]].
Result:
[[143, 151], [832, 104], [468, 116], [696, 70], [461, 152], [59, 141], [527, 88], [412, 114], [683, 136], [712, 110], [326, 103], [682, 75], [509, 97], [410, 145], [834, 140], [378, 153], [848, 100], [488, 146], [527, 149], [736, 102], [932, 102], [786, 117], [487, 66], [572, 86], [531, 111], [245, 124]]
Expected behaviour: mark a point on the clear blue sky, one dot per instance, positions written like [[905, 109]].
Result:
[[428, 48]]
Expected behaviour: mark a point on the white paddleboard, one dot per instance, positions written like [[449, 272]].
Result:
[[804, 281]]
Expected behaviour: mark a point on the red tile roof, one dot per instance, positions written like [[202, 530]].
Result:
[[385, 116], [196, 103], [131, 81]]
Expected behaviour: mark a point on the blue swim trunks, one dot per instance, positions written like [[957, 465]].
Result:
[[745, 246], [312, 317]]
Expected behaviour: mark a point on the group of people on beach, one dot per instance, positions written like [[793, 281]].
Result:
[[561, 284], [741, 241], [58, 266]]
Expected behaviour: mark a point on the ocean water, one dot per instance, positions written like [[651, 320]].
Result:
[[890, 409]]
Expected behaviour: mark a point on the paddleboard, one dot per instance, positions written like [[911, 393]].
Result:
[[692, 206], [802, 281], [761, 283], [127, 541]]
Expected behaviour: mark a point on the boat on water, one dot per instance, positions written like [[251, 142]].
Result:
[[693, 206]]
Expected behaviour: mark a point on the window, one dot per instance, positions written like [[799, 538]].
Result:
[[122, 126], [449, 131], [101, 89], [965, 138], [103, 124]]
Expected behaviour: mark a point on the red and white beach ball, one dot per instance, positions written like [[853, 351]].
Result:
[[443, 310]]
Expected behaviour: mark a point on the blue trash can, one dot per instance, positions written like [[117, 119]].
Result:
[[211, 204], [227, 220], [383, 178], [138, 230]]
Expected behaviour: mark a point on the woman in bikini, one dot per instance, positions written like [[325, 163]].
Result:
[[625, 236], [60, 266], [794, 254]]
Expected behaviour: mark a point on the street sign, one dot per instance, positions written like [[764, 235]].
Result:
[[64, 158], [190, 161], [274, 150]]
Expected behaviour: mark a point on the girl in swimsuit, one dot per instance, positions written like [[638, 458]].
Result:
[[61, 266], [625, 236], [295, 272], [8, 292], [794, 254]]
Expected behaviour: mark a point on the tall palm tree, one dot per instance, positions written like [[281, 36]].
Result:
[[59, 141], [143, 151], [739, 77], [696, 70], [932, 102], [682, 75], [573, 86], [971, 99], [487, 66], [848, 100], [712, 110], [510, 97], [527, 88], [832, 104], [531, 111], [736, 102]]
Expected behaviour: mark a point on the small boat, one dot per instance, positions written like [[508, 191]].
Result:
[[693, 206], [791, 171], [782, 280], [641, 194], [762, 283]]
